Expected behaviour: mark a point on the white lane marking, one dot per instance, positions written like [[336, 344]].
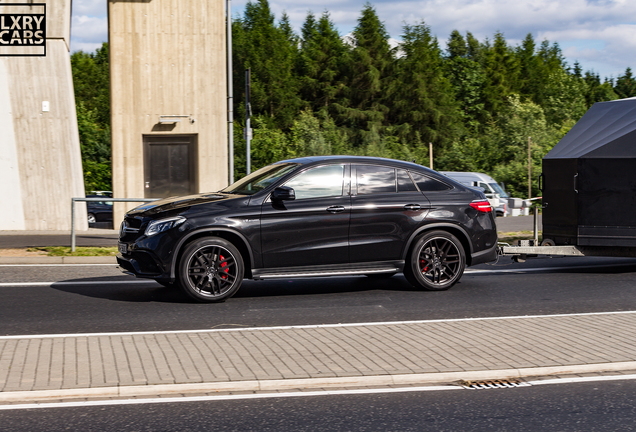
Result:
[[312, 326], [294, 394], [542, 269], [582, 379], [225, 397], [57, 265], [93, 282]]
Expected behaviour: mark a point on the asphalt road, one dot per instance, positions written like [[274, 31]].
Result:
[[593, 406], [98, 298]]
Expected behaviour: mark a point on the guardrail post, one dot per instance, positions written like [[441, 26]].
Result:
[[105, 198], [72, 224]]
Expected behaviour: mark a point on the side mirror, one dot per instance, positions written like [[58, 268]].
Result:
[[283, 193]]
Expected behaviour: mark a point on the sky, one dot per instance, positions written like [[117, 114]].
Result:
[[599, 34]]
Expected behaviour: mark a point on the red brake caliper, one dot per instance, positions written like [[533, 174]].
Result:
[[224, 266], [422, 264]]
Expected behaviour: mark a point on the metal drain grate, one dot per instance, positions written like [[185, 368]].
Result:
[[492, 384]]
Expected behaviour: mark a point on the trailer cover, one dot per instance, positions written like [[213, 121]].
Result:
[[589, 179]]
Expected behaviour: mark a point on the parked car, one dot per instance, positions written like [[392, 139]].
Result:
[[308, 217], [496, 195], [99, 212]]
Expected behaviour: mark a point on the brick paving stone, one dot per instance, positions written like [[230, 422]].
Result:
[[315, 352]]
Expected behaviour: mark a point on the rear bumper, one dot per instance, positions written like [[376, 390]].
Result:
[[484, 256]]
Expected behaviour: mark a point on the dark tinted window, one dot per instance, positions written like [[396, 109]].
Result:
[[375, 179], [428, 184], [260, 179], [318, 182], [405, 184]]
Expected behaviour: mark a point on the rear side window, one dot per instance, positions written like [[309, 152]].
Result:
[[428, 184], [375, 179], [405, 184]]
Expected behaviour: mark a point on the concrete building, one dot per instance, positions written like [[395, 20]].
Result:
[[168, 98], [40, 160]]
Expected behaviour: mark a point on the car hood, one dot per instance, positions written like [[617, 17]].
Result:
[[179, 202]]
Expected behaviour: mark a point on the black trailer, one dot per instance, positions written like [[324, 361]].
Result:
[[589, 187]]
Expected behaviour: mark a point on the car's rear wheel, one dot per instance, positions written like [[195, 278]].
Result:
[[436, 261], [91, 218], [210, 270]]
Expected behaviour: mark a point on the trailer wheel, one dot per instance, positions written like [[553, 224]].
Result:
[[548, 242], [436, 261]]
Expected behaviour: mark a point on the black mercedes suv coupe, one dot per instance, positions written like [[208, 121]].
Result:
[[309, 217]]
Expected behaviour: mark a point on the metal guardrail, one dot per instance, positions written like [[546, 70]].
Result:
[[104, 198]]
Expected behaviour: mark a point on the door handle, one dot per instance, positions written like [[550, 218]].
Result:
[[335, 209], [575, 178], [412, 207]]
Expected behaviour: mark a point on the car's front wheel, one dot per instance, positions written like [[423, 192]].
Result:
[[436, 261], [210, 270]]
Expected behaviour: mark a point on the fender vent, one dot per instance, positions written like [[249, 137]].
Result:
[[491, 384]]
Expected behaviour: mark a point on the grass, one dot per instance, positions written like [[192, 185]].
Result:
[[507, 237], [512, 237], [79, 251]]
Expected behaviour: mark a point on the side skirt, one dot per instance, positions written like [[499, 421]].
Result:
[[329, 270]]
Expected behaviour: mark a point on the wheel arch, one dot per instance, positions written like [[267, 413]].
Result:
[[455, 230], [237, 239]]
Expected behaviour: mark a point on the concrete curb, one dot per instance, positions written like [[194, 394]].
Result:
[[308, 383], [59, 260]]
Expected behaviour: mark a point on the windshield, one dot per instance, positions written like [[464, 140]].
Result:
[[499, 190], [260, 179]]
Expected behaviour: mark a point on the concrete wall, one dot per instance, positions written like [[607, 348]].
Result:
[[167, 57], [40, 160]]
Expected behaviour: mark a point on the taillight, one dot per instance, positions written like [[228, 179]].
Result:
[[481, 206]]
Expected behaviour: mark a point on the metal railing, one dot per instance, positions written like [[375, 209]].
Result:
[[100, 199]]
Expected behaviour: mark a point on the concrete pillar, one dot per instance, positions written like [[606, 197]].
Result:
[[167, 57], [40, 159]]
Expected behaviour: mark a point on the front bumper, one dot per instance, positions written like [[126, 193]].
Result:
[[142, 264]]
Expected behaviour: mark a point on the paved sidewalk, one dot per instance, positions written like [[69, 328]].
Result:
[[40, 368]]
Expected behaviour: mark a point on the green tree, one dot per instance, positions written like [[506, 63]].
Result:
[[500, 72], [369, 70], [91, 79], [322, 62], [270, 51], [625, 85], [422, 105], [597, 92], [467, 79]]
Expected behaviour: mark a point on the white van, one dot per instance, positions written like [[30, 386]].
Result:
[[496, 195]]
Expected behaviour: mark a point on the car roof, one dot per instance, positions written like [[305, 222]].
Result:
[[358, 159]]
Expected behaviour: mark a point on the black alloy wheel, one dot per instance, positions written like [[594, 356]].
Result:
[[436, 262], [210, 270]]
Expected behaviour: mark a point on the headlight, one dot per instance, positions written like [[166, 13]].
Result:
[[155, 227]]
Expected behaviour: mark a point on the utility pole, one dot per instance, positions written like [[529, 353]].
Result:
[[230, 94], [529, 168], [430, 154], [248, 113]]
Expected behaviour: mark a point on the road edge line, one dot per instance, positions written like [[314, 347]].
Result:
[[7, 398]]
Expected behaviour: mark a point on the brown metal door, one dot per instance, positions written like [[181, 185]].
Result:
[[169, 165]]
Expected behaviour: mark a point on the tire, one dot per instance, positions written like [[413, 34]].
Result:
[[210, 270], [91, 218], [436, 261]]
